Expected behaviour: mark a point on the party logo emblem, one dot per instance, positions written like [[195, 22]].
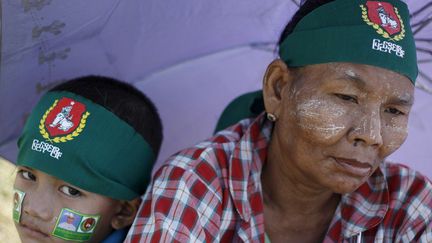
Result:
[[88, 224], [63, 121], [385, 19], [17, 205], [75, 226]]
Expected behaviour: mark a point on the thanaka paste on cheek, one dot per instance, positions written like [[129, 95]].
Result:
[[398, 132], [401, 130], [321, 118], [18, 199], [75, 226]]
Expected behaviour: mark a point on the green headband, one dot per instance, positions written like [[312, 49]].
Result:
[[84, 144], [376, 33]]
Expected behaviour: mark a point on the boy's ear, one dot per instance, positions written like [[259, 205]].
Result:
[[126, 214], [276, 78]]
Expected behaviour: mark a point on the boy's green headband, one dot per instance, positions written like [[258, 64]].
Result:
[[82, 143], [376, 33]]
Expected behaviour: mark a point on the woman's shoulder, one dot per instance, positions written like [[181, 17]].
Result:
[[211, 156], [396, 173], [409, 212], [408, 188]]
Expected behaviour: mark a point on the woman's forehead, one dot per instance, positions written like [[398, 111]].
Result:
[[360, 72], [365, 77]]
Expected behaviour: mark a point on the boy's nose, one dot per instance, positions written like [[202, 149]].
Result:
[[39, 206]]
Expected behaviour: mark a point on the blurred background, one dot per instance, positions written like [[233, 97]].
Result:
[[7, 177]]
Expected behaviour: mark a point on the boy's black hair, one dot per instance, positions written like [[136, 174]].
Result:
[[307, 7], [122, 99]]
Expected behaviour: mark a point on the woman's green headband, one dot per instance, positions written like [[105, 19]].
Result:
[[376, 33], [82, 143]]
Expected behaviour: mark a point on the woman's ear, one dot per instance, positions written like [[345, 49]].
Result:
[[126, 214], [277, 77]]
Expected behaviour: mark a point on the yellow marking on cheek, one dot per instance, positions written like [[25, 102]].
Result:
[[326, 131], [320, 118], [396, 127], [393, 145], [313, 108], [399, 129]]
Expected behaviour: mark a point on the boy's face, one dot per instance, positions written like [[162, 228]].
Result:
[[46, 196]]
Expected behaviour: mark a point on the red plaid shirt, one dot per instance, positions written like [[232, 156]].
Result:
[[212, 193]]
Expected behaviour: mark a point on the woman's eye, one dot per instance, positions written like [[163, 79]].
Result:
[[394, 111], [27, 175], [70, 191], [347, 98]]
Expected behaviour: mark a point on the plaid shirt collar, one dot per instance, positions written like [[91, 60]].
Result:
[[246, 162], [250, 155], [374, 190]]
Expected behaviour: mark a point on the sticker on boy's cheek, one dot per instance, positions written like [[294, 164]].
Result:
[[75, 226], [18, 199]]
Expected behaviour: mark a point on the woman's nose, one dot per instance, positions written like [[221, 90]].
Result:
[[367, 130]]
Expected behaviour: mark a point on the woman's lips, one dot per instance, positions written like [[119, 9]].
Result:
[[33, 231], [355, 167]]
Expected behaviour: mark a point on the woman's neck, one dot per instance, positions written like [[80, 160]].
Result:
[[291, 197], [292, 204], [287, 189]]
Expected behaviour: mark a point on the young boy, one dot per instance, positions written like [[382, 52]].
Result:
[[85, 158]]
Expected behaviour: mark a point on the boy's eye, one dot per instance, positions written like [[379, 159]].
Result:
[[70, 191], [27, 175], [347, 98]]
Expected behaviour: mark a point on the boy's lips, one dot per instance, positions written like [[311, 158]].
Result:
[[33, 230], [354, 166]]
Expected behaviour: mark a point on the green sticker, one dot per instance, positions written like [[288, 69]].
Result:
[[18, 199], [75, 226]]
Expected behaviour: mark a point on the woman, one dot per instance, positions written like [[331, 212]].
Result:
[[311, 168]]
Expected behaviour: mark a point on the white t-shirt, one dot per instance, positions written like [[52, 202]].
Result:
[[67, 226]]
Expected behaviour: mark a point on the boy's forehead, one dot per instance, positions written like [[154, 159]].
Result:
[[47, 178], [77, 141]]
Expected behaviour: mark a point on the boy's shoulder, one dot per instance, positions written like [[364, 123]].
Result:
[[116, 236]]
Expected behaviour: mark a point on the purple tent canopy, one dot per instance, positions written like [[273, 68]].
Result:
[[191, 57]]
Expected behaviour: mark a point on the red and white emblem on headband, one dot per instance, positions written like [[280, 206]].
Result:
[[63, 121], [384, 18]]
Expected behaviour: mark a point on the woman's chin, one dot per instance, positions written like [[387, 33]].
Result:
[[347, 186]]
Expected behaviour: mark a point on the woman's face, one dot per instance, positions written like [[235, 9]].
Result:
[[337, 122], [46, 196]]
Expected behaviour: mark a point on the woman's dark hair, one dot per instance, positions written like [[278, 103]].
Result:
[[122, 99], [307, 7]]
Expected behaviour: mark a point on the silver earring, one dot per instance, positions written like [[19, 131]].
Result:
[[271, 117]]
